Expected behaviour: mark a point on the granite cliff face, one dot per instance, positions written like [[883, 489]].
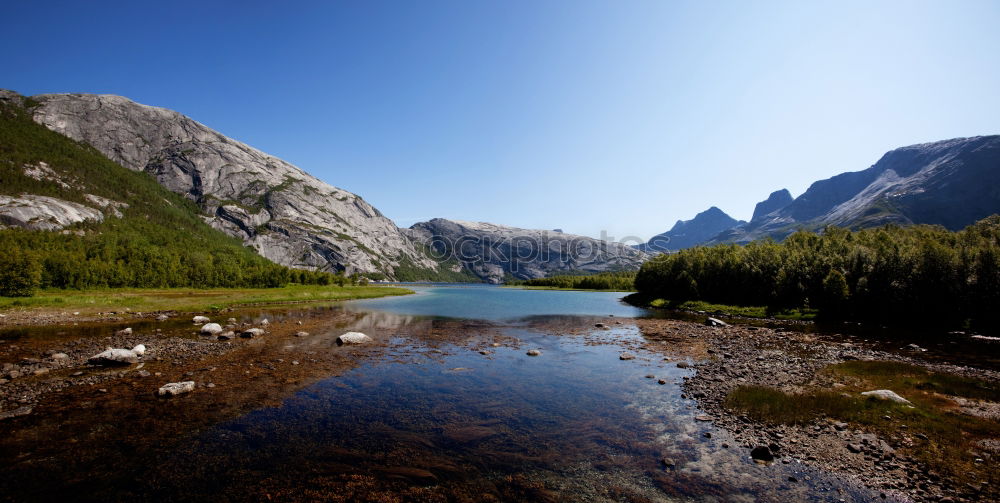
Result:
[[281, 211], [688, 233], [495, 252], [776, 201], [952, 183]]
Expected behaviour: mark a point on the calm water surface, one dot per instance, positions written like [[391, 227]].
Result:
[[432, 422]]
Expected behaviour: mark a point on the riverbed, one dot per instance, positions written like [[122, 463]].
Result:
[[445, 404]]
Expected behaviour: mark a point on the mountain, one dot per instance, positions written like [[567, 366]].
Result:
[[952, 183], [688, 233], [72, 218], [776, 201], [495, 252], [282, 212]]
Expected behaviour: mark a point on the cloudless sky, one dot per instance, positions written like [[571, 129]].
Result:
[[590, 116]]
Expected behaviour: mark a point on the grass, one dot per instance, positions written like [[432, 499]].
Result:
[[188, 299], [952, 437], [728, 310]]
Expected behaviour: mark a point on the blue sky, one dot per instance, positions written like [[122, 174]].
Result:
[[588, 116]]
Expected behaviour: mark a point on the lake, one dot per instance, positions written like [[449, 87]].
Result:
[[447, 406]]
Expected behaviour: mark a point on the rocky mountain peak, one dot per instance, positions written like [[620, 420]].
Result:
[[777, 200], [281, 211]]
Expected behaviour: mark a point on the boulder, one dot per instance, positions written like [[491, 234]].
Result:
[[762, 453], [250, 333], [715, 322], [198, 320], [885, 394], [210, 329], [176, 388], [118, 356], [353, 338]]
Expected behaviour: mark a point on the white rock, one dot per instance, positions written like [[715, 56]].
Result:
[[353, 338], [176, 388], [44, 213], [198, 320], [211, 328], [139, 350], [885, 394], [264, 321], [252, 332], [126, 331], [114, 356]]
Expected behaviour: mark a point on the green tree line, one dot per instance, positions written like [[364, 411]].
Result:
[[621, 280], [919, 274]]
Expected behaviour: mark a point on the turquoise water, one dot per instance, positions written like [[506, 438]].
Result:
[[445, 406], [484, 302]]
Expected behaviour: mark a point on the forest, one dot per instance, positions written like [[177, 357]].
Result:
[[622, 280], [916, 275], [159, 240]]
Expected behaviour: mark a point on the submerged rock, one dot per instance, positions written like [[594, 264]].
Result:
[[626, 356], [534, 352], [885, 394], [211, 329], [353, 338], [176, 388], [250, 333], [762, 453]]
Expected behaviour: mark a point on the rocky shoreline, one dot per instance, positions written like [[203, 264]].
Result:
[[728, 356]]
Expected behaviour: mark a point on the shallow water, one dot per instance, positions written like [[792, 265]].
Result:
[[432, 421]]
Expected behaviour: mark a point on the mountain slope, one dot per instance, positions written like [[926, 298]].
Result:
[[495, 252], [284, 213], [688, 233], [952, 183], [76, 219]]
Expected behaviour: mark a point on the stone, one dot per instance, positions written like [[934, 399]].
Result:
[[210, 329], [885, 394], [600, 325], [301, 334], [353, 338], [683, 365], [225, 336], [176, 388], [762, 453], [162, 317], [534, 352], [715, 322], [124, 332], [626, 356], [264, 322], [18, 412], [250, 333], [855, 448], [198, 320], [60, 356], [118, 356]]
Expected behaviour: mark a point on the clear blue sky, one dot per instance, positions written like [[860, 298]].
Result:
[[581, 115]]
